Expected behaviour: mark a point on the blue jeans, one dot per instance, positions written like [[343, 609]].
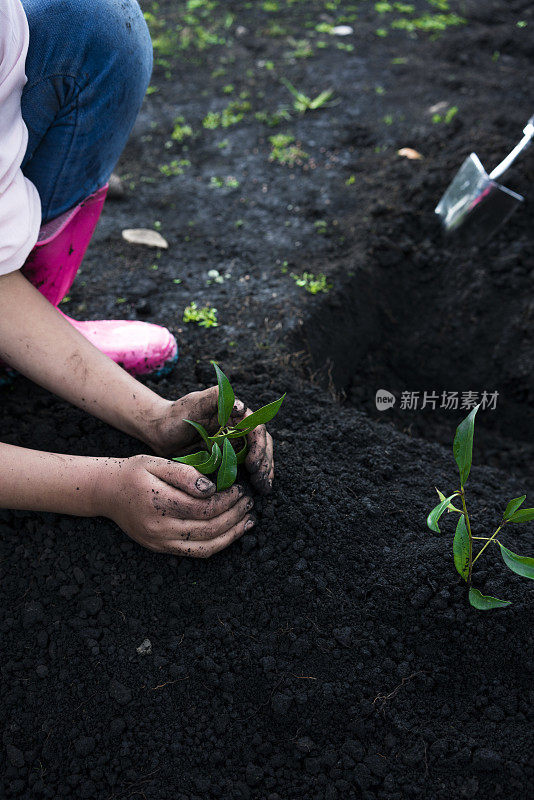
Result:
[[88, 66]]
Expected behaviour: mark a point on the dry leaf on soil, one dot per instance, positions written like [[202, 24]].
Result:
[[144, 236], [408, 152]]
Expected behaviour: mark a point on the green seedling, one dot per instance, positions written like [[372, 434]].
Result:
[[275, 29], [303, 48], [274, 118], [302, 102], [206, 316], [285, 152], [181, 130], [431, 23], [312, 283], [219, 453], [231, 115], [176, 167], [447, 118], [214, 276], [216, 182], [463, 542]]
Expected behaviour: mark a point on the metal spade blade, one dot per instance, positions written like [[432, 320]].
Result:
[[475, 205]]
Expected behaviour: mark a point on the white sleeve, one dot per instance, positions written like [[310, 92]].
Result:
[[20, 206]]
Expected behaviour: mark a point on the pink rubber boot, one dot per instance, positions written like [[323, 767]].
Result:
[[141, 348]]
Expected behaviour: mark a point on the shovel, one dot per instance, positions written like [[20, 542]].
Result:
[[475, 205]]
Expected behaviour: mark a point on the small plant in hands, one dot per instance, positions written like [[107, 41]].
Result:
[[219, 454], [462, 546]]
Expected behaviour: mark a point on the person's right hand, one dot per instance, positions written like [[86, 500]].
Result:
[[171, 508]]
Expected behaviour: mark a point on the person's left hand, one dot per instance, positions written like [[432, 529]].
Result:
[[173, 437]]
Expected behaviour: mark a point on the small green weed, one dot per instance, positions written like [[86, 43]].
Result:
[[206, 316], [273, 118], [302, 102], [312, 283], [231, 115], [181, 130], [303, 48], [216, 182], [175, 167], [447, 118], [214, 276], [430, 23], [285, 152]]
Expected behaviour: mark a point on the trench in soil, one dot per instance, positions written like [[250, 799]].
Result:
[[387, 329]]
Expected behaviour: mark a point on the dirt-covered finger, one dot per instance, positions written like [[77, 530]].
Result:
[[209, 548], [191, 508], [270, 456], [204, 530], [182, 476], [257, 446]]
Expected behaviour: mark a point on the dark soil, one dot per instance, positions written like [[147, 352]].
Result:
[[331, 653]]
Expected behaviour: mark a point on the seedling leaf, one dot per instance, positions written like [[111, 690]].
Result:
[[321, 99], [242, 454], [450, 507], [460, 548], [523, 515], [463, 445], [513, 505], [194, 459], [237, 434], [521, 565], [226, 400], [228, 469], [261, 416], [201, 430], [485, 602], [209, 466], [434, 516]]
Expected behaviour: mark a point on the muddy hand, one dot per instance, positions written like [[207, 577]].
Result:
[[171, 508], [172, 436]]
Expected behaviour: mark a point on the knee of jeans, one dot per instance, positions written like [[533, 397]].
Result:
[[120, 41], [98, 38]]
